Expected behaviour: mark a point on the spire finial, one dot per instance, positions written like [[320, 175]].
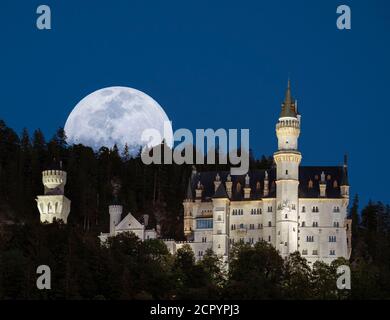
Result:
[[287, 99], [344, 178]]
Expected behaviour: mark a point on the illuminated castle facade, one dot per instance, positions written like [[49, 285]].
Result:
[[292, 207], [53, 205]]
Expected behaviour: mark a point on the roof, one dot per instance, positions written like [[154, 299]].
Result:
[[220, 193], [307, 189], [288, 106]]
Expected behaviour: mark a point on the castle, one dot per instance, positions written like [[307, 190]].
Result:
[[292, 207]]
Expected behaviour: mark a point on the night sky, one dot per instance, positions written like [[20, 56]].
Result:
[[213, 64]]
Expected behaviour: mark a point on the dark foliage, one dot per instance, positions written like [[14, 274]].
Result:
[[130, 269]]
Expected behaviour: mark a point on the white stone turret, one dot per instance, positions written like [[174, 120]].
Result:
[[115, 212], [53, 205], [287, 160]]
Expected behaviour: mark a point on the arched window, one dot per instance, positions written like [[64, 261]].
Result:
[[335, 184], [310, 185]]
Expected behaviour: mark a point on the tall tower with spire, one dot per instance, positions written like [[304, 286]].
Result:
[[287, 160], [188, 207]]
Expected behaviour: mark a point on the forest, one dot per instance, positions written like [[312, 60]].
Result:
[[128, 268]]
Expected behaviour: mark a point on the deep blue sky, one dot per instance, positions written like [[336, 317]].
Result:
[[213, 64]]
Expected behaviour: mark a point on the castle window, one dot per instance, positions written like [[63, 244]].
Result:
[[200, 253], [251, 226], [315, 224], [310, 185], [293, 206], [285, 216], [315, 209], [304, 252], [238, 187], [303, 223], [204, 239], [336, 224], [303, 209], [269, 224], [204, 223], [309, 238], [332, 238], [315, 253], [286, 172], [233, 227], [260, 226], [269, 209], [336, 209], [257, 185], [269, 238], [332, 252], [335, 184]]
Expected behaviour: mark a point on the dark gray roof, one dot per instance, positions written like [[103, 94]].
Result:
[[288, 106], [306, 174], [220, 192]]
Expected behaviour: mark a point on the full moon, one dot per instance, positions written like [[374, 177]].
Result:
[[117, 115]]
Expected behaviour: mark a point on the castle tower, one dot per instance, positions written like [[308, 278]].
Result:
[[188, 205], [287, 160], [115, 212], [53, 205], [221, 204], [188, 218]]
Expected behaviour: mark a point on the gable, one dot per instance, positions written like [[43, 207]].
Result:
[[129, 223]]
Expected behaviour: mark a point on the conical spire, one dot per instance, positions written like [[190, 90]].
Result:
[[288, 106], [287, 98], [344, 180], [189, 195], [221, 192]]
